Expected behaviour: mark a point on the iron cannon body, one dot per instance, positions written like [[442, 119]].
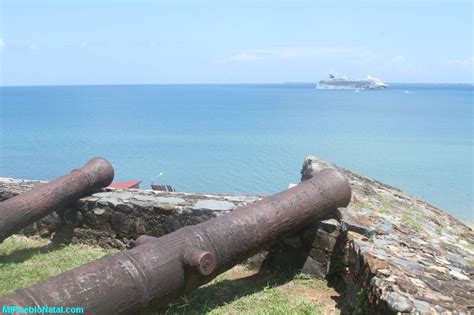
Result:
[[20, 211], [159, 270]]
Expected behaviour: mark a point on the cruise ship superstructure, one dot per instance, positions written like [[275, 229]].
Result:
[[344, 83]]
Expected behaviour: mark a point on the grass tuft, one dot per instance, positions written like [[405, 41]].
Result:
[[412, 223]]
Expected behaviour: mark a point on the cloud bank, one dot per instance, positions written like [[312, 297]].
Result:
[[462, 63], [289, 53]]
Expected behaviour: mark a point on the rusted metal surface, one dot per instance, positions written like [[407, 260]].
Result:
[[22, 210], [161, 269]]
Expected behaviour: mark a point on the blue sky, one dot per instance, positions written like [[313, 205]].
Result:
[[146, 42]]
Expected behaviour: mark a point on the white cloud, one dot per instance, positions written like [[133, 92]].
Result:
[[398, 60], [243, 57], [400, 66], [463, 63], [2, 44], [299, 52]]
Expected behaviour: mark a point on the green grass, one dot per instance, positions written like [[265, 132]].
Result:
[[267, 301], [25, 261], [254, 294]]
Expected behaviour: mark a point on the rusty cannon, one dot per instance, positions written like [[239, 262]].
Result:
[[159, 270], [20, 211]]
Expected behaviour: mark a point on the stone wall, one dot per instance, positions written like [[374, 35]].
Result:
[[399, 254], [115, 218], [394, 253]]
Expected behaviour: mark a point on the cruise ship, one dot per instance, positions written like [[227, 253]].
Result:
[[343, 83]]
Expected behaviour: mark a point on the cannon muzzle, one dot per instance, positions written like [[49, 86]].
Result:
[[20, 211], [161, 269]]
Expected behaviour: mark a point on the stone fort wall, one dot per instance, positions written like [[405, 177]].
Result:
[[395, 253]]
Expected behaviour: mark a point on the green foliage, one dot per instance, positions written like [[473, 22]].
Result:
[[412, 223], [418, 213], [362, 302], [382, 204], [385, 204], [336, 278]]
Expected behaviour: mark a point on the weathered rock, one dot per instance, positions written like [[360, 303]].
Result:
[[402, 254], [309, 251], [216, 205]]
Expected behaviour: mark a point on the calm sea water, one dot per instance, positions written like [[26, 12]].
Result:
[[246, 138]]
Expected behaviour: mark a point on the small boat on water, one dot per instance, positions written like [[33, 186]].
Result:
[[343, 83]]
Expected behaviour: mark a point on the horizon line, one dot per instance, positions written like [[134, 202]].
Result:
[[210, 83]]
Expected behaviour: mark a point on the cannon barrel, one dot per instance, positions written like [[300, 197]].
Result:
[[20, 211], [161, 269]]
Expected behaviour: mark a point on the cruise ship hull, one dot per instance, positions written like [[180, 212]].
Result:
[[349, 85], [345, 84]]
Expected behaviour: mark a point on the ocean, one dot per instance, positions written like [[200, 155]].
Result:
[[249, 139]]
